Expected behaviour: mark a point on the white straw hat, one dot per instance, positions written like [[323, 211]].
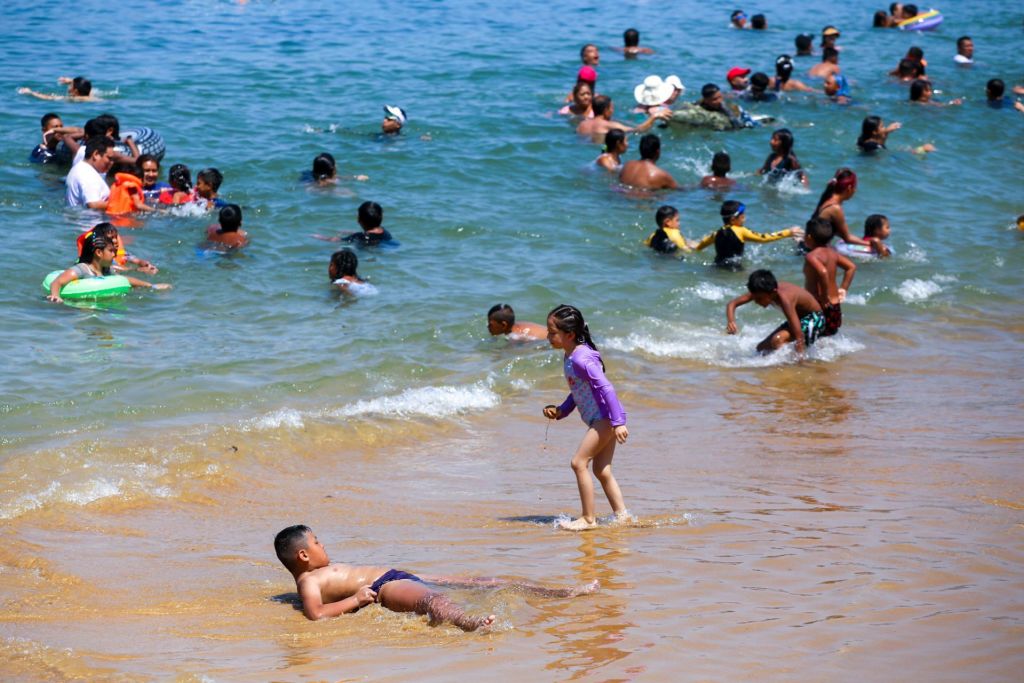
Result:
[[652, 91]]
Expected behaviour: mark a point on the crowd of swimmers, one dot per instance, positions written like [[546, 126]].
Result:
[[111, 174]]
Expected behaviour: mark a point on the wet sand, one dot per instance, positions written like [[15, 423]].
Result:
[[823, 521]]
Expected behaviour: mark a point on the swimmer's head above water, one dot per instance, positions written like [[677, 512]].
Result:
[[500, 319], [394, 119]]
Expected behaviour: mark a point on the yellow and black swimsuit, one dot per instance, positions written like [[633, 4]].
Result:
[[666, 240], [729, 241]]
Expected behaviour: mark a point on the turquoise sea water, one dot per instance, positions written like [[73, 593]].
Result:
[[489, 193]]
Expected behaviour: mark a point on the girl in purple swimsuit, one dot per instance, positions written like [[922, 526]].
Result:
[[592, 393]]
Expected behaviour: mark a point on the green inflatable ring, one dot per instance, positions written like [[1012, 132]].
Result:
[[90, 288]]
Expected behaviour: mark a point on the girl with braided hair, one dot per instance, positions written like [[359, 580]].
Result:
[[99, 248]]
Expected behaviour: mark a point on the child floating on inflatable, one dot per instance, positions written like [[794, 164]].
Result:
[[99, 248]]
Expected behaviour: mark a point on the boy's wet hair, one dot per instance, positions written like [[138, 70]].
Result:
[[370, 215], [759, 81], [230, 218], [631, 37], [343, 262], [47, 117], [820, 230], [503, 313], [995, 88], [873, 224], [180, 178], [109, 122], [917, 89], [82, 85], [758, 21], [803, 42], [729, 210], [910, 11], [664, 213], [569, 319], [762, 282], [324, 166], [721, 163], [289, 541], [94, 128], [881, 19], [650, 146], [600, 104], [709, 90], [961, 40], [211, 177]]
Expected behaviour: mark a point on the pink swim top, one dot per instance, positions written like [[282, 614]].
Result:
[[590, 390]]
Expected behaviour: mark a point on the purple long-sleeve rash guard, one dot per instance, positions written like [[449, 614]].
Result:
[[590, 390]]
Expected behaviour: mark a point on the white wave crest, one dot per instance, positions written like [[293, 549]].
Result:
[[731, 351], [915, 253], [286, 417], [435, 402], [432, 402], [709, 291], [77, 494], [189, 210], [917, 290]]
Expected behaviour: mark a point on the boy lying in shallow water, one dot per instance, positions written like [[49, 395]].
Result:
[[329, 590]]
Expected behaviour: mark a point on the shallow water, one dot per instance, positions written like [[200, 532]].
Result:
[[842, 515]]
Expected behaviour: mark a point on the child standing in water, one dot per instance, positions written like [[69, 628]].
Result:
[[594, 395]]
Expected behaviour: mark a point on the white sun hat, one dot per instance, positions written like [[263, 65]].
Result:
[[396, 113], [652, 91]]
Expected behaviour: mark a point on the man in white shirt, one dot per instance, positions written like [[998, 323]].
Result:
[[964, 50], [85, 183]]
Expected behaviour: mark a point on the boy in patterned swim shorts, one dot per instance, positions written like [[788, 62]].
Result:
[[820, 266], [804, 320]]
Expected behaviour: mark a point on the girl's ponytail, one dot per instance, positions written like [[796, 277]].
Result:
[[569, 319]]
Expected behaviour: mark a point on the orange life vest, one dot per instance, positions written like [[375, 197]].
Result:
[[121, 201]]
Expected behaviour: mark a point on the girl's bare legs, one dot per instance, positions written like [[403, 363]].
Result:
[[603, 472], [598, 444], [406, 595]]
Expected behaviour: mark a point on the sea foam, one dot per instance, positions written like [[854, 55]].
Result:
[[732, 351], [437, 402]]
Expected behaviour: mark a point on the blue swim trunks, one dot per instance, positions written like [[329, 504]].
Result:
[[393, 575]]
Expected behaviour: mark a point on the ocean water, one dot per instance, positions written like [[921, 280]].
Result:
[[185, 427]]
